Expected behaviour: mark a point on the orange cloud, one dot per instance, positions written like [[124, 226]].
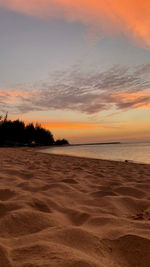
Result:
[[106, 17], [14, 93], [133, 96], [68, 125], [136, 99], [13, 97]]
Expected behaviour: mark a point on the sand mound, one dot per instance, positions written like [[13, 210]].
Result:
[[4, 258], [51, 254], [59, 211], [24, 222]]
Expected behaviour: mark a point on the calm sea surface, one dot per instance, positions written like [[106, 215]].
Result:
[[137, 152]]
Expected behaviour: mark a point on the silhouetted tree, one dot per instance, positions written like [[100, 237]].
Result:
[[43, 136], [30, 133], [61, 142], [17, 133]]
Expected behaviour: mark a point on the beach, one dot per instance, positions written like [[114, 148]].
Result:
[[64, 211]]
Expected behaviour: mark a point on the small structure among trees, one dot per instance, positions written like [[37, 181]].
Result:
[[17, 133]]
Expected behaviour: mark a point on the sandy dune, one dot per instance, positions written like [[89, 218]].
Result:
[[73, 212]]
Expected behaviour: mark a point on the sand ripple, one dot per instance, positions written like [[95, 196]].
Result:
[[59, 211]]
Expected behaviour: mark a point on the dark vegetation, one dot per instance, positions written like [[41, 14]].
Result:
[[17, 133], [60, 142]]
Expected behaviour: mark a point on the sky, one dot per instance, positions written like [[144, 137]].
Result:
[[79, 68]]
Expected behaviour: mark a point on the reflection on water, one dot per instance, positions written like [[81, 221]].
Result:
[[137, 152]]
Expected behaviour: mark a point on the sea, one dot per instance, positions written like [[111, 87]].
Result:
[[132, 152]]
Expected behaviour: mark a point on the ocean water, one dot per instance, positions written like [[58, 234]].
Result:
[[136, 152]]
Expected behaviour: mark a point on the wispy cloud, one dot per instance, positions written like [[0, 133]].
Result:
[[103, 17], [119, 87], [133, 100]]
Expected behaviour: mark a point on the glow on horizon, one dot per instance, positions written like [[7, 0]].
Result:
[[77, 132], [68, 125]]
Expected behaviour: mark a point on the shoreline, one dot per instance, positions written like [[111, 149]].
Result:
[[93, 144], [67, 211], [84, 157]]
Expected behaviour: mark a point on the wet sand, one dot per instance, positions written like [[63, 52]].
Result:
[[72, 212]]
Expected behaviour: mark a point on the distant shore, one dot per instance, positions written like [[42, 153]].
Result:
[[92, 144], [69, 211]]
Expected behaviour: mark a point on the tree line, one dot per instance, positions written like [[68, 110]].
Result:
[[17, 133]]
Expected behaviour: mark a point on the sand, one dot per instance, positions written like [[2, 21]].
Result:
[[74, 212]]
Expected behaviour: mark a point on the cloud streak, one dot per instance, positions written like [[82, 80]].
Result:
[[119, 87], [105, 17]]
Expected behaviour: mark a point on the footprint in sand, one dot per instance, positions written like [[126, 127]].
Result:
[[40, 205], [7, 207], [6, 194], [76, 217], [69, 181], [139, 216], [134, 248], [130, 191], [103, 194]]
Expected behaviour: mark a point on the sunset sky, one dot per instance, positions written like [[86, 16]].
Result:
[[81, 68]]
